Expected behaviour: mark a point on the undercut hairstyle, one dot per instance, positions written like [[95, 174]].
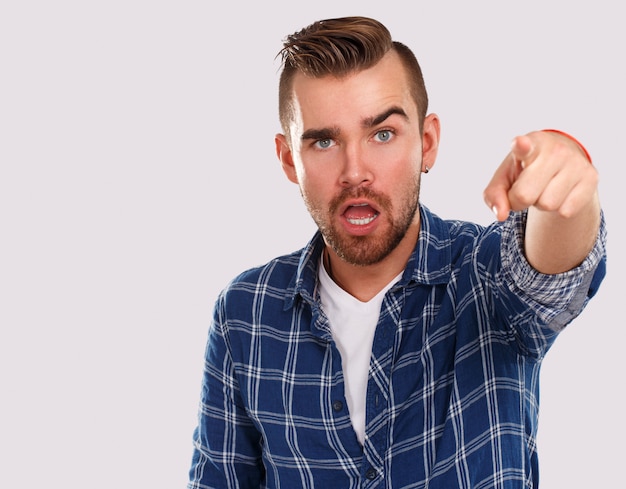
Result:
[[340, 47]]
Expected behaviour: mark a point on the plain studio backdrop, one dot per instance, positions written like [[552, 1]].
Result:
[[138, 176]]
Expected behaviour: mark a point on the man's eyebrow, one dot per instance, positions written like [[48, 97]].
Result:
[[333, 132], [383, 116], [319, 134]]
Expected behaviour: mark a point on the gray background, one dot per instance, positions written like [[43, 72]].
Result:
[[138, 176]]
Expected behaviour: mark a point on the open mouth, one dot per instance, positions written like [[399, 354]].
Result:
[[360, 214]]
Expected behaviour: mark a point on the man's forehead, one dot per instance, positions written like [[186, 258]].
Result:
[[363, 99]]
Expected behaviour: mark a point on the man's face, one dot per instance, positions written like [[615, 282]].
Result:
[[357, 155]]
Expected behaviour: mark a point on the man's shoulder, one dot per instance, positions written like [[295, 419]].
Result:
[[268, 288], [276, 271], [459, 234]]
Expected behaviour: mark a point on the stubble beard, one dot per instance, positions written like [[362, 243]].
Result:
[[366, 250]]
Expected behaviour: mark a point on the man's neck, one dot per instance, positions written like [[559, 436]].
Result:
[[364, 282]]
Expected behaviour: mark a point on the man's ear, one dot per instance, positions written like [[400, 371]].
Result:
[[283, 152], [430, 141]]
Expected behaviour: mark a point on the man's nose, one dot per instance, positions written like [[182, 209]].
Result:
[[356, 169]]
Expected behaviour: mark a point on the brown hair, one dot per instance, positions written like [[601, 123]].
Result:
[[339, 47]]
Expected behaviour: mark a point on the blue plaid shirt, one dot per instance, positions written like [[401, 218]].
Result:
[[452, 398]]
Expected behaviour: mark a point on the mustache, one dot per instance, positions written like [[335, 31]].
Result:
[[381, 200]]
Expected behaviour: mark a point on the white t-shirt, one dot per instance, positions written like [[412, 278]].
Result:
[[353, 324]]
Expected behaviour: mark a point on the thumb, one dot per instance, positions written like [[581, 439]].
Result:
[[496, 195], [497, 200]]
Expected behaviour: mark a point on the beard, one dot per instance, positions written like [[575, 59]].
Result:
[[370, 249]]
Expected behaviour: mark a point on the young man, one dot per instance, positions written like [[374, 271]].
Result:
[[396, 349]]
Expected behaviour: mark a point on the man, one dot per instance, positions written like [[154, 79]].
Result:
[[396, 349]]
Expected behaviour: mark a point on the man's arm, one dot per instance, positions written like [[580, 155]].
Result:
[[227, 446], [550, 175]]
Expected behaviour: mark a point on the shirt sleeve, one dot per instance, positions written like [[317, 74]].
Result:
[[556, 299], [227, 445]]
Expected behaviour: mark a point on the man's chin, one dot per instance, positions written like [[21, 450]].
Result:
[[362, 251]]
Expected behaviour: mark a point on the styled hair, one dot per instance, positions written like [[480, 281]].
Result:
[[339, 47]]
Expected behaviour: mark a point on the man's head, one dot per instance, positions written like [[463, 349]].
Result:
[[356, 137], [339, 47]]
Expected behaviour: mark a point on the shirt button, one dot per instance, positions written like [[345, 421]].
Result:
[[337, 406], [371, 474]]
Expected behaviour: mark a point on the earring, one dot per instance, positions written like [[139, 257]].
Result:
[[426, 169]]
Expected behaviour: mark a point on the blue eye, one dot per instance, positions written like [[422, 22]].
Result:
[[384, 135], [324, 143]]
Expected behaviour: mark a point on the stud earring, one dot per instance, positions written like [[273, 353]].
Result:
[[426, 169]]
